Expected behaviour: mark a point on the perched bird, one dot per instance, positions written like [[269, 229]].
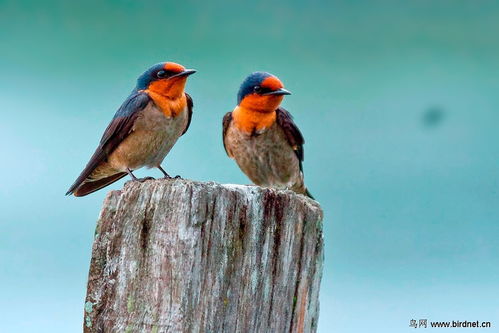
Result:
[[143, 130], [262, 137]]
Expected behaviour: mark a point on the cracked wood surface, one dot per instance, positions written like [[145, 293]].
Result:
[[184, 256]]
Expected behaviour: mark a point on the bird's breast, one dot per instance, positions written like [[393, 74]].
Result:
[[267, 159], [168, 106], [251, 122], [152, 137]]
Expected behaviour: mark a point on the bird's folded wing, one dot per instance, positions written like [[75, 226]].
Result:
[[119, 128], [293, 134], [190, 106], [226, 122]]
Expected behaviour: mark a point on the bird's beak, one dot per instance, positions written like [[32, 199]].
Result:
[[187, 72], [281, 91]]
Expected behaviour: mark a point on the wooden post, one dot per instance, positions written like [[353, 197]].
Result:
[[184, 256]]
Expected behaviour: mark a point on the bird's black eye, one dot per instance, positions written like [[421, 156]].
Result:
[[161, 74], [257, 89]]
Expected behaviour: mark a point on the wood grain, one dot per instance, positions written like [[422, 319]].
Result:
[[184, 256]]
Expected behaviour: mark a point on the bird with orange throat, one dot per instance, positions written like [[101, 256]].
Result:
[[262, 137], [143, 130]]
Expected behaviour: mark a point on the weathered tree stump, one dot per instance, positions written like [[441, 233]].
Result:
[[184, 256]]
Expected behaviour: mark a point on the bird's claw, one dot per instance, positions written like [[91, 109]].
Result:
[[145, 179], [170, 177]]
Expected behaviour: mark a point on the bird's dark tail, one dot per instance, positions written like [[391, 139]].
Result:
[[88, 187], [308, 194]]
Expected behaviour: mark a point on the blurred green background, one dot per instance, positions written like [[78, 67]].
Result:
[[398, 102]]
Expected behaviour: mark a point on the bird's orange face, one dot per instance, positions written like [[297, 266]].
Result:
[[264, 98], [259, 96], [170, 80]]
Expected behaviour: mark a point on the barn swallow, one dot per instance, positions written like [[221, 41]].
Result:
[[262, 137], [143, 130]]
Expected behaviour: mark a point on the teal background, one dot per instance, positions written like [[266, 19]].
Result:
[[398, 102]]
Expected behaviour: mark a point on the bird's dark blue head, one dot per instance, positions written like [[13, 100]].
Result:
[[261, 84], [163, 71]]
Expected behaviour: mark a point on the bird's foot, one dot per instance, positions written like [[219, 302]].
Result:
[[167, 176], [144, 179]]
